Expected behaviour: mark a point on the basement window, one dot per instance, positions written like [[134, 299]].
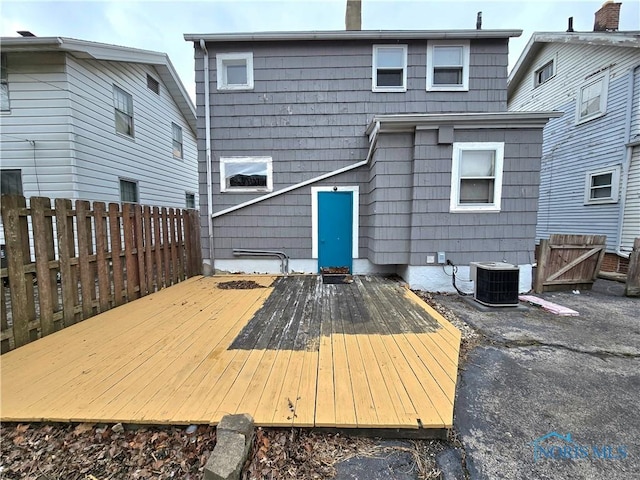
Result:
[[190, 200], [601, 186], [11, 181], [128, 191], [544, 73], [447, 66], [389, 68], [246, 174], [234, 71]]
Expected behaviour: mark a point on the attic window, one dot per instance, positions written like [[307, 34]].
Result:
[[153, 84], [546, 72], [389, 68], [235, 71], [246, 174]]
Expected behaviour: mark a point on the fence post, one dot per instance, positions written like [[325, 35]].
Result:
[[180, 246], [18, 255], [632, 289], [85, 250], [543, 255], [66, 251], [116, 252], [196, 252], [43, 248]]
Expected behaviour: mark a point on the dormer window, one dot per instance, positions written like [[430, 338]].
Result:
[[389, 68], [448, 66]]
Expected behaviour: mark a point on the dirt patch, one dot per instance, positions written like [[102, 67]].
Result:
[[99, 452], [335, 270], [239, 285]]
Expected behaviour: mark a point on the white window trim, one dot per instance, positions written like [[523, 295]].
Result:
[[374, 70], [181, 142], [129, 180], [465, 66], [604, 76], [314, 217], [615, 185], [454, 206], [223, 183], [221, 58], [131, 114], [554, 63]]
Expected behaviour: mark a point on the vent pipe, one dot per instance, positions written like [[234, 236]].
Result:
[[570, 26], [479, 21]]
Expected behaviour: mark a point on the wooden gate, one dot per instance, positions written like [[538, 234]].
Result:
[[569, 262]]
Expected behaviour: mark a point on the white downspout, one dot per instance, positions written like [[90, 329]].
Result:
[[627, 159], [207, 136]]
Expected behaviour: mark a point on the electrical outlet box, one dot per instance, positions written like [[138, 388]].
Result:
[[431, 259], [442, 257]]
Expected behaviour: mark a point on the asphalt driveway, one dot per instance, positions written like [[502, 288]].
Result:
[[544, 396]]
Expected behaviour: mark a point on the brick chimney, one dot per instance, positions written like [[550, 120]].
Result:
[[353, 17], [608, 17]]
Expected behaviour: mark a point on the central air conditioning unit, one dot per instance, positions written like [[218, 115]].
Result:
[[496, 283]]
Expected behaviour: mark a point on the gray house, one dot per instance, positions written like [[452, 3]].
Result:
[[590, 174], [380, 151]]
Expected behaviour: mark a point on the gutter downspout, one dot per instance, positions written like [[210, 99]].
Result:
[[207, 136], [627, 158]]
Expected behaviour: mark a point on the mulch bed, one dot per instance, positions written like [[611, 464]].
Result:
[[100, 452], [239, 285]]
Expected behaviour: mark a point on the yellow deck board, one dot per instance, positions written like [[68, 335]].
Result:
[[165, 359]]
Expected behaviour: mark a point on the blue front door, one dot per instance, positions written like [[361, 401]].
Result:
[[335, 229]]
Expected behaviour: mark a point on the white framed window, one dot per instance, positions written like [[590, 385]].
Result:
[[592, 98], [476, 176], [246, 174], [190, 200], [389, 72], [11, 182], [5, 105], [123, 103], [234, 71], [544, 73], [447, 66], [601, 186], [176, 137], [129, 191]]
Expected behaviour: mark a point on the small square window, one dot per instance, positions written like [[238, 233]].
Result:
[[389, 68], [448, 66], [4, 84], [128, 191], [602, 186], [123, 103], [11, 181], [234, 71], [246, 174], [592, 99], [176, 135], [190, 200], [153, 84], [546, 72], [476, 177]]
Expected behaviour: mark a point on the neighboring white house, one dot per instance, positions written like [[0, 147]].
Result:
[[590, 174], [92, 121]]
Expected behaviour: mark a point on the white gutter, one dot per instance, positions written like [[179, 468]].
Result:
[[373, 138], [626, 165], [207, 136]]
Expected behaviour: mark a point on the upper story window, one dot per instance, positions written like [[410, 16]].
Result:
[[11, 181], [544, 73], [153, 84], [389, 68], [128, 191], [176, 135], [447, 66], [592, 98], [4, 84], [601, 186], [123, 103], [235, 71], [476, 177], [246, 174]]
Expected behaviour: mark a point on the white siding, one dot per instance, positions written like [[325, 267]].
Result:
[[631, 220], [40, 112], [635, 111], [104, 156]]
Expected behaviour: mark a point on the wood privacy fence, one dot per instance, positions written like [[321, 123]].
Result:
[[569, 262], [64, 265]]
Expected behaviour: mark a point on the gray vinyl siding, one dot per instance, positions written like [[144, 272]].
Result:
[[571, 150], [104, 156], [309, 109], [40, 112]]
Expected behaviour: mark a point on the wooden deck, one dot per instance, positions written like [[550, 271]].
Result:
[[369, 354]]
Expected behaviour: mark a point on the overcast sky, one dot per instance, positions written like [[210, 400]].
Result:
[[160, 26]]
